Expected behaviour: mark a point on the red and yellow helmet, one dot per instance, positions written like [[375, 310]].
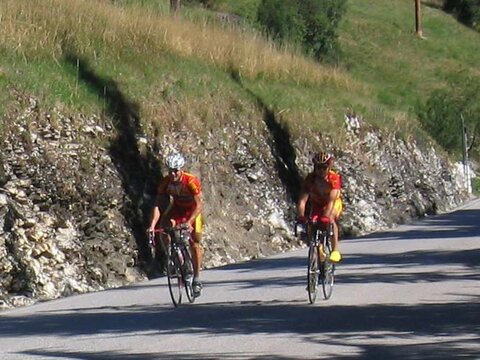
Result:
[[322, 158]]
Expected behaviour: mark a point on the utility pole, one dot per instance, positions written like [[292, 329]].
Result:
[[418, 19], [466, 167]]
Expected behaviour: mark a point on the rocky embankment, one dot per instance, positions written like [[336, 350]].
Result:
[[75, 194]]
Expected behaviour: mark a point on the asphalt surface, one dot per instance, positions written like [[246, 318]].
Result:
[[410, 293]]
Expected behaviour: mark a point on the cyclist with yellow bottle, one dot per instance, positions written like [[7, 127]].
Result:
[[322, 190]]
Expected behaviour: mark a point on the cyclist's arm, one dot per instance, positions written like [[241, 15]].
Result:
[[334, 195], [304, 195], [302, 203], [198, 208], [155, 217], [157, 213]]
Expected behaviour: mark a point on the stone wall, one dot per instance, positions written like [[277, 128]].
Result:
[[76, 192]]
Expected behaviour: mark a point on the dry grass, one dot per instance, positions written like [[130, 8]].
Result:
[[51, 27]]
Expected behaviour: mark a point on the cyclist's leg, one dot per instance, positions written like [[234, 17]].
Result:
[[337, 211], [177, 216], [166, 221], [197, 254], [315, 212], [335, 239], [172, 218], [197, 249]]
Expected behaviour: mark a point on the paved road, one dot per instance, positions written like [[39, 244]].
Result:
[[412, 293]]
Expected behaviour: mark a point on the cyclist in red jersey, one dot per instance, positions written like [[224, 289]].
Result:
[[321, 189], [184, 191]]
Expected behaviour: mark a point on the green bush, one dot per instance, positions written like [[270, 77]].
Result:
[[467, 11], [282, 20], [321, 18], [439, 117], [311, 23], [443, 112], [206, 3], [476, 185]]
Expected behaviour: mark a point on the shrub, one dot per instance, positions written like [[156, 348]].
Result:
[[467, 11], [476, 185], [321, 18], [311, 23], [442, 115], [206, 3], [281, 20]]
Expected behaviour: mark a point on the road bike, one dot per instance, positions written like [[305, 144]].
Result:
[[319, 269], [179, 264]]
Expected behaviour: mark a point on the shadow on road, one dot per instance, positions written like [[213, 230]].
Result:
[[333, 325], [391, 331], [115, 355], [363, 327], [461, 223]]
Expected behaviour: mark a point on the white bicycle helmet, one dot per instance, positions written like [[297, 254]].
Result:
[[175, 161], [322, 158]]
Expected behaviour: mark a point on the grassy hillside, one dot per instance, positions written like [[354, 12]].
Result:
[[196, 71], [381, 51]]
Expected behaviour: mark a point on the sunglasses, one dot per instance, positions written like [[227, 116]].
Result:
[[173, 171]]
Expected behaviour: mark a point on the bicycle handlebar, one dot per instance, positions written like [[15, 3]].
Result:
[[172, 231], [317, 221], [166, 229]]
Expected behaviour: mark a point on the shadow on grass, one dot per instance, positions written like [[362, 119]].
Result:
[[434, 4], [281, 146], [139, 172]]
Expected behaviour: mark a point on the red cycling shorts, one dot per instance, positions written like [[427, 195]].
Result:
[[181, 214], [319, 209]]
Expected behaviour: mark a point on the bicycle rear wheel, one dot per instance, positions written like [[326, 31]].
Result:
[[174, 276], [313, 272], [327, 275], [188, 275]]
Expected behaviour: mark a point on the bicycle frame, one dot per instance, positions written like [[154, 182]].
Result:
[[178, 236], [179, 261], [319, 269], [327, 268]]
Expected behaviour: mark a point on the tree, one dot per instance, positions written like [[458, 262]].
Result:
[[418, 19], [467, 11], [311, 23], [174, 6], [321, 18], [281, 20], [448, 110]]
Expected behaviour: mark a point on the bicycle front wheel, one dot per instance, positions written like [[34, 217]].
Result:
[[174, 276], [313, 272], [328, 273]]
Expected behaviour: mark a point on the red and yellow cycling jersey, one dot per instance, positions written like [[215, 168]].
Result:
[[319, 189], [182, 191]]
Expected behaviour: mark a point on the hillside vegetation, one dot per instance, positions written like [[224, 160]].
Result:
[[194, 71], [95, 93]]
